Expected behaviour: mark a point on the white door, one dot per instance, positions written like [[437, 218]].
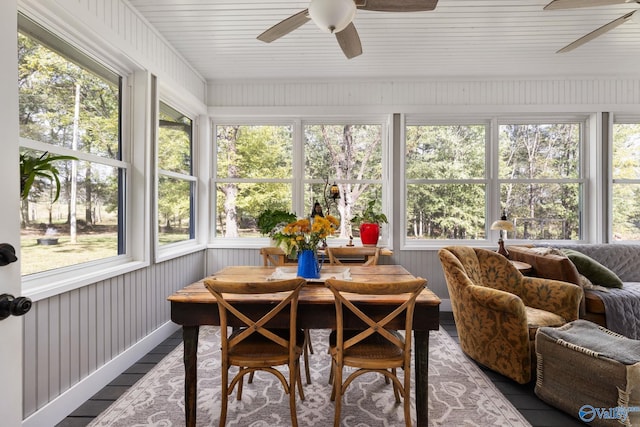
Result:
[[11, 327]]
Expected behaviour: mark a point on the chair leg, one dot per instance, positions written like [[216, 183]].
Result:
[[305, 353], [407, 398], [307, 337], [224, 396], [294, 371], [396, 393], [336, 395], [299, 382]]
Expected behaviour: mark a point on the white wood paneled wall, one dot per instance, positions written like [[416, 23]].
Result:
[[409, 96], [71, 335]]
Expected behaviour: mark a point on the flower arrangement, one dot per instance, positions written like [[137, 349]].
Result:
[[305, 234]]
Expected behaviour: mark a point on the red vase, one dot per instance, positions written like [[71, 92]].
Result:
[[369, 234]]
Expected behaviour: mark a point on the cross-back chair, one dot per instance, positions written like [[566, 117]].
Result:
[[275, 257], [368, 255], [376, 347], [255, 346]]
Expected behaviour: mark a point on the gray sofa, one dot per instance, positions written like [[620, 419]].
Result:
[[616, 309]]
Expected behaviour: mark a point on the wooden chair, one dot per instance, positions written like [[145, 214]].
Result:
[[255, 347], [274, 256], [376, 348], [369, 255]]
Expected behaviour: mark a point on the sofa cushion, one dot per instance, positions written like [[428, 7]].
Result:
[[593, 270], [537, 318]]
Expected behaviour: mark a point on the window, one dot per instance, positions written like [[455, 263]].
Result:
[[69, 106], [254, 172], [349, 156], [176, 183], [626, 181], [541, 183], [264, 166], [446, 181]]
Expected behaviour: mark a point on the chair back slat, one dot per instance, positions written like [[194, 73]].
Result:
[[369, 255]]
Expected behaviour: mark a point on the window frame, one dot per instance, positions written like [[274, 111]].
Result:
[[53, 282], [615, 119], [172, 250], [492, 180]]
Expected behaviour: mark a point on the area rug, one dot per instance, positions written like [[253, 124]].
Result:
[[460, 394]]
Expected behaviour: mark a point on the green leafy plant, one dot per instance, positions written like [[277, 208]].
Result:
[[32, 167], [370, 215], [271, 218]]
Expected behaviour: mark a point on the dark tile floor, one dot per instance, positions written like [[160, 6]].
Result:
[[538, 413]]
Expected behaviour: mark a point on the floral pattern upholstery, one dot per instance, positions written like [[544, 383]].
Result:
[[497, 310]]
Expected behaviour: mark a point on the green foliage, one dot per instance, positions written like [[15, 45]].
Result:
[[271, 218], [32, 167], [370, 215]]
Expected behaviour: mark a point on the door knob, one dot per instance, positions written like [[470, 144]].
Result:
[[13, 306], [7, 254]]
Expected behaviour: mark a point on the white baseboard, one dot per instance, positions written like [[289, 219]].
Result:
[[59, 408]]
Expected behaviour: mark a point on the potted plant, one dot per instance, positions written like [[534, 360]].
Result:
[[370, 219], [32, 167], [271, 218]]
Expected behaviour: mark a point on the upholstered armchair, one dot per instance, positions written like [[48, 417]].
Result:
[[497, 310]]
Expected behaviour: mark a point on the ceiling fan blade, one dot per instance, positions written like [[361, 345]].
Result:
[[596, 33], [575, 4], [397, 5], [285, 26], [349, 41]]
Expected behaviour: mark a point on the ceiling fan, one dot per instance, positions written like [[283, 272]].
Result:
[[575, 4], [336, 16]]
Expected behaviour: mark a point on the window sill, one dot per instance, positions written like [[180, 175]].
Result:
[[48, 284]]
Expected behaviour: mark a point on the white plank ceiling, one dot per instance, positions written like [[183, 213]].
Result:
[[459, 39]]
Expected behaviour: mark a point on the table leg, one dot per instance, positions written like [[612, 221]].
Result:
[[421, 376], [190, 340]]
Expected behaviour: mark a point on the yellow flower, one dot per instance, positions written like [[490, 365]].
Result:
[[304, 233]]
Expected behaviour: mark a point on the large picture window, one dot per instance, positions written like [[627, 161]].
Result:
[[541, 182], [262, 167], [446, 181], [69, 106], [626, 181]]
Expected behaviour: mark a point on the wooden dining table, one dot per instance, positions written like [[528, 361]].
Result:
[[194, 306]]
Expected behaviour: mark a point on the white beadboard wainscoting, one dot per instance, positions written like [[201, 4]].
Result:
[[77, 342], [423, 263]]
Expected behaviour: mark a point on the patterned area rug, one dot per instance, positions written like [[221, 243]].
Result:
[[459, 393]]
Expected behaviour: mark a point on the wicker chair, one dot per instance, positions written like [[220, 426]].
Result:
[[375, 347], [255, 347], [498, 311], [275, 257], [368, 254]]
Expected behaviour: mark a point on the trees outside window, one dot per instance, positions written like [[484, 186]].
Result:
[[535, 177], [446, 181], [253, 172], [349, 155], [541, 182], [69, 106], [625, 173], [176, 181], [256, 169]]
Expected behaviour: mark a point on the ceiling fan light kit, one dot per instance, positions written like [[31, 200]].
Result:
[[336, 16], [332, 16]]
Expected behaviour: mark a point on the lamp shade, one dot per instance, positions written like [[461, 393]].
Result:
[[332, 16], [503, 225]]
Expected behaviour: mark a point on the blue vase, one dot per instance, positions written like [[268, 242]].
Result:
[[308, 266]]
